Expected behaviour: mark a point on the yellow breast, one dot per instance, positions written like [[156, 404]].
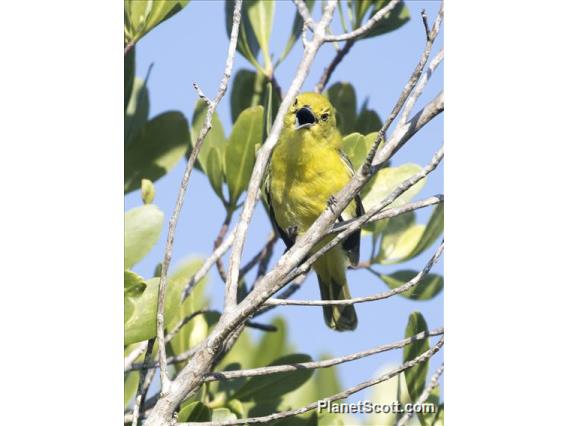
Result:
[[305, 173]]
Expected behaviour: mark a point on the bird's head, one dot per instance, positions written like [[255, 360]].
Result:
[[311, 112]]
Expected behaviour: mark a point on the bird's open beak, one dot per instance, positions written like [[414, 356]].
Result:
[[305, 118]]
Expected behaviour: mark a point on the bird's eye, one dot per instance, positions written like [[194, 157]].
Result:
[[296, 102], [325, 116]]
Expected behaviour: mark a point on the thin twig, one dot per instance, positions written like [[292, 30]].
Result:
[[376, 159], [261, 256], [423, 396], [165, 381], [211, 260], [305, 13], [392, 212], [324, 79], [172, 333], [136, 352], [420, 87], [229, 375], [142, 385], [217, 243], [425, 22], [292, 288], [379, 296], [341, 395], [368, 26]]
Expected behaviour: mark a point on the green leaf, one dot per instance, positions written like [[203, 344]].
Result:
[[247, 44], [271, 345], [156, 149], [134, 284], [236, 407], [261, 14], [239, 154], [215, 137], [243, 93], [129, 73], [357, 147], [427, 289], [415, 376], [130, 386], [215, 170], [142, 324], [297, 28], [395, 19], [404, 239], [141, 16], [428, 419], [368, 121], [251, 89], [400, 237], [266, 388], [128, 308], [137, 110], [221, 414], [386, 180], [342, 97], [388, 392], [194, 412], [195, 330], [142, 228], [434, 229]]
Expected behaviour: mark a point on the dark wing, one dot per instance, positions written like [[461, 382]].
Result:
[[287, 240], [352, 242]]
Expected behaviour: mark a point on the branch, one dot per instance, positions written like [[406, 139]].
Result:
[[136, 352], [286, 293], [420, 87], [379, 296], [229, 375], [201, 272], [264, 152], [262, 257], [392, 212], [375, 19], [143, 384], [341, 395], [217, 243], [324, 79], [165, 381], [305, 13], [423, 396]]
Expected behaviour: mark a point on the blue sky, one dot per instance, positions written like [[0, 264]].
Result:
[[191, 47]]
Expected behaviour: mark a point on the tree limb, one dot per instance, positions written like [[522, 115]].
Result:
[[368, 26], [211, 260], [143, 384], [165, 381], [341, 395], [236, 374], [379, 296]]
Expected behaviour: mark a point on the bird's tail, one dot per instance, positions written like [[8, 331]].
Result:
[[330, 270]]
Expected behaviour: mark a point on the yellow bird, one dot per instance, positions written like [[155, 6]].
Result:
[[306, 169]]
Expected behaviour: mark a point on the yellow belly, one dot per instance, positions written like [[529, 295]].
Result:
[[304, 176]]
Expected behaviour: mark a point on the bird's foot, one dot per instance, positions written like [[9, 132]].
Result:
[[292, 232], [331, 203]]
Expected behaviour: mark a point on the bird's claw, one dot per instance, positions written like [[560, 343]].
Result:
[[292, 232], [331, 202]]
